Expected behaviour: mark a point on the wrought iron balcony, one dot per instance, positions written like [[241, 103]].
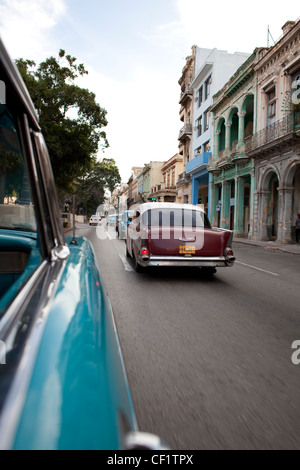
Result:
[[282, 133]]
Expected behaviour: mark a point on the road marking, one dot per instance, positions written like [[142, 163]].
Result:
[[126, 264], [258, 269]]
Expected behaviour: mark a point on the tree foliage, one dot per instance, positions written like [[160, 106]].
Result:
[[71, 120], [90, 189]]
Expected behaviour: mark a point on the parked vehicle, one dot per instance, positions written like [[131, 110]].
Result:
[[124, 219], [169, 234], [95, 219], [112, 220], [62, 378]]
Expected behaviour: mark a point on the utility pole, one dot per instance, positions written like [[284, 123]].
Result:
[[74, 241]]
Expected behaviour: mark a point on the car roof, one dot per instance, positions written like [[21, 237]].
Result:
[[167, 205]]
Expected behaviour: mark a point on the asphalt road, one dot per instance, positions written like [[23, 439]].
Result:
[[209, 359]]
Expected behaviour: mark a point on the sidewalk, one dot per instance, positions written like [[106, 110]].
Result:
[[293, 248]]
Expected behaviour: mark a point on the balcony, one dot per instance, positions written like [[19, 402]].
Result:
[[198, 163], [186, 131], [279, 135], [183, 179], [185, 95]]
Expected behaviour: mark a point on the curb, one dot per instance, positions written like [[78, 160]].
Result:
[[293, 249]]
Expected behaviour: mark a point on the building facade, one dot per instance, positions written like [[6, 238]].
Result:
[[166, 190], [213, 68], [232, 182], [152, 176], [275, 147], [184, 187]]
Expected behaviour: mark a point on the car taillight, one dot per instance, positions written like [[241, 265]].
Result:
[[229, 256], [144, 252]]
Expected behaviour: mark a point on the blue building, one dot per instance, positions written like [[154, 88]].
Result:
[[212, 70]]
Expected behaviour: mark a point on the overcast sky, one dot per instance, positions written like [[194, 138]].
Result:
[[134, 51]]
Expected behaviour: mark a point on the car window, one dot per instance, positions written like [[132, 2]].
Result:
[[175, 217], [16, 206]]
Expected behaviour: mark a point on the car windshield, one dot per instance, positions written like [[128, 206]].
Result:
[[16, 206], [184, 217]]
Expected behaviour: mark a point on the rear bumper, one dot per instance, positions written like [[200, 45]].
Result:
[[196, 261]]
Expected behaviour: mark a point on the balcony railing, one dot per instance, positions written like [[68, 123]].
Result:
[[198, 163], [186, 130], [183, 179], [278, 134], [187, 93]]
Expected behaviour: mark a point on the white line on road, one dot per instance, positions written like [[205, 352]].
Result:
[[259, 269], [126, 264]]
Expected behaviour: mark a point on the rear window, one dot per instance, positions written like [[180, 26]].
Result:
[[187, 218]]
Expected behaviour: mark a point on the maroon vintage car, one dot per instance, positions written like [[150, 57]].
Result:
[[169, 234]]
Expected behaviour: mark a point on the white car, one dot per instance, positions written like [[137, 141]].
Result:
[[95, 219]]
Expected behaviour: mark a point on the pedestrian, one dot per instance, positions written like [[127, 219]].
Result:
[[298, 228]]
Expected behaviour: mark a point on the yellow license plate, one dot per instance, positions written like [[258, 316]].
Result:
[[187, 249]]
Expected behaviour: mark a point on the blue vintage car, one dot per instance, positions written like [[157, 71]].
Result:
[[62, 378]]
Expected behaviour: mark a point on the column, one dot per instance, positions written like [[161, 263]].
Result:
[[213, 202], [225, 208], [263, 198], [195, 190], [216, 146], [252, 206], [242, 115], [239, 207], [285, 207], [228, 135]]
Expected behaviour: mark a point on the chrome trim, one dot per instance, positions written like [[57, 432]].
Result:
[[16, 79], [144, 441], [16, 397], [22, 298], [182, 258], [60, 252], [197, 261]]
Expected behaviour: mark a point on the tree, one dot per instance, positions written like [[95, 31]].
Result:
[[109, 172], [69, 116], [90, 189]]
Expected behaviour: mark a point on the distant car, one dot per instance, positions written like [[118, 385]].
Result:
[[169, 234], [124, 220], [112, 220], [95, 219], [63, 383]]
